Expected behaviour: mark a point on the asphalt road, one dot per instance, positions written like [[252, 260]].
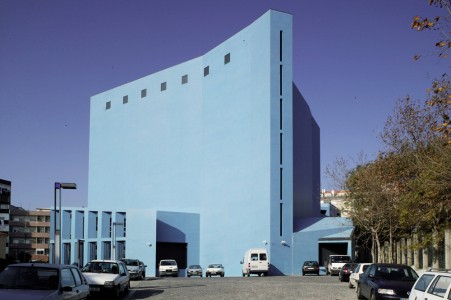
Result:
[[277, 287]]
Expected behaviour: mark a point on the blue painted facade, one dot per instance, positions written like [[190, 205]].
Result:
[[220, 152]]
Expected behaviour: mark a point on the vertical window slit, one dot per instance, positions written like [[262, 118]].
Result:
[[280, 148], [280, 219], [280, 80], [280, 114], [280, 45], [281, 184]]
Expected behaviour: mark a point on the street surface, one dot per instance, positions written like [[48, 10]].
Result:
[[277, 287]]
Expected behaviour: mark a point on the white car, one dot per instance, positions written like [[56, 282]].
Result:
[[432, 286], [215, 269], [107, 277], [354, 277], [168, 267]]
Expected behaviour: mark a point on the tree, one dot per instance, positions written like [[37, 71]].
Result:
[[437, 23]]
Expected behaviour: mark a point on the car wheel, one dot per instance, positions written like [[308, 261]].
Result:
[[373, 295], [117, 292], [259, 274], [127, 288], [359, 293], [222, 275]]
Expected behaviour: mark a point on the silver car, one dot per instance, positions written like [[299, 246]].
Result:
[[135, 267], [107, 277], [194, 270], [34, 281]]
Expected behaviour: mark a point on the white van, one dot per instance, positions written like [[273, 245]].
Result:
[[255, 261], [336, 262]]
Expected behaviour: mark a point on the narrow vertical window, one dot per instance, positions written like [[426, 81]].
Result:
[[227, 58], [125, 99], [206, 70], [281, 148], [280, 219], [108, 105], [163, 86], [280, 113], [280, 184], [280, 80], [184, 79], [280, 45], [143, 93]]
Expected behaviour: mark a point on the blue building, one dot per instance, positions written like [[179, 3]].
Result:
[[204, 160]]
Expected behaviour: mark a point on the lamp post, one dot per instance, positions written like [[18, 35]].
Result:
[[57, 230], [113, 242]]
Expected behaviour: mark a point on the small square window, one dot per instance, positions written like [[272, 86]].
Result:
[[108, 105], [184, 79], [143, 93], [163, 86], [125, 99], [206, 70], [227, 58]]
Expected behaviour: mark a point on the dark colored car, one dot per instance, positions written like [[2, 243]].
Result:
[[310, 267], [346, 271], [33, 281], [386, 281]]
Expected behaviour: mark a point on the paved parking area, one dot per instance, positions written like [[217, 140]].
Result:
[[277, 287]]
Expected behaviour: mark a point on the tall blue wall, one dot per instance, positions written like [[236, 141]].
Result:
[[219, 145]]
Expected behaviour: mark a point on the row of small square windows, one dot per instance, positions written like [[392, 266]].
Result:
[[163, 85]]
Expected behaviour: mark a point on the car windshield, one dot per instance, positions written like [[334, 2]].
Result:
[[310, 263], [101, 267], [396, 273], [130, 262], [194, 267], [337, 259], [168, 263], [29, 278], [215, 266]]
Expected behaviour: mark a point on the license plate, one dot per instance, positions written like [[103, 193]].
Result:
[[94, 289]]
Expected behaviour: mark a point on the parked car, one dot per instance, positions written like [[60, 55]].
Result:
[[28, 281], [310, 267], [346, 271], [135, 267], [194, 270], [336, 262], [386, 281], [432, 286], [255, 261], [107, 277], [168, 267], [354, 277], [215, 269]]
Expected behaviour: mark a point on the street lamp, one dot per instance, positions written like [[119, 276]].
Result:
[[57, 233], [113, 242]]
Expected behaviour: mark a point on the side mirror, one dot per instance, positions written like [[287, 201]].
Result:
[[241, 262]]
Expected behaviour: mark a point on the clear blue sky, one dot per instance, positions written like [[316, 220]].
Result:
[[352, 61]]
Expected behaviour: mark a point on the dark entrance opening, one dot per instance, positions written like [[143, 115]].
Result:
[[177, 251], [326, 249]]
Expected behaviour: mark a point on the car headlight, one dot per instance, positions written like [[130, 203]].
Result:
[[386, 291], [109, 283]]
